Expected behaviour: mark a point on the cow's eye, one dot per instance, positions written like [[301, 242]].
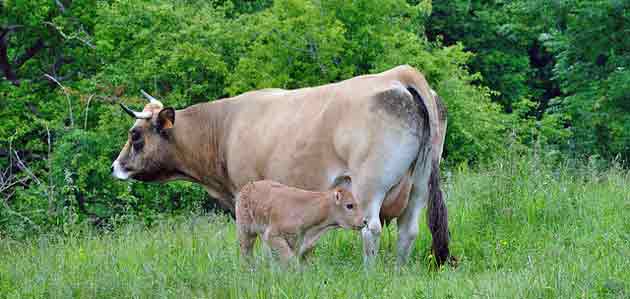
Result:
[[136, 140], [349, 206], [135, 136], [137, 146]]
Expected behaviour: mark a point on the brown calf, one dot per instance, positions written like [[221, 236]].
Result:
[[291, 220]]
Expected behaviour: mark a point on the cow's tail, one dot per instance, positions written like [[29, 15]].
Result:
[[437, 215]]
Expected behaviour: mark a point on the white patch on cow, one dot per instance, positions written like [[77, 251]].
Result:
[[400, 149], [408, 222], [119, 172]]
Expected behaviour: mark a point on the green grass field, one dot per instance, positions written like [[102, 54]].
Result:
[[521, 230]]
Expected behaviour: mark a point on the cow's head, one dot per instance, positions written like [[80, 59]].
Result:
[[148, 154], [346, 211]]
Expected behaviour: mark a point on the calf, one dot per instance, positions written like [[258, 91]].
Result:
[[291, 220]]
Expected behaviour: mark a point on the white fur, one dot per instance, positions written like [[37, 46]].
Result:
[[119, 172], [408, 222]]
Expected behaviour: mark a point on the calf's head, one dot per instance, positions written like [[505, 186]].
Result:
[[148, 154], [345, 209]]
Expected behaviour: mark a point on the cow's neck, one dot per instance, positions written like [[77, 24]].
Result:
[[200, 133]]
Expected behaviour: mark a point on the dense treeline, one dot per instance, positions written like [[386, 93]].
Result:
[[553, 74], [564, 63]]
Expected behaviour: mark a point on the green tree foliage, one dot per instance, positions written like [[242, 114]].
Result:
[[67, 64], [561, 66], [500, 44], [593, 70], [299, 43], [67, 130]]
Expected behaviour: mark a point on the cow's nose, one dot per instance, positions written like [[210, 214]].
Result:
[[111, 169], [364, 221]]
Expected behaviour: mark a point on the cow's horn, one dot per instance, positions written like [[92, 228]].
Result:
[[151, 99], [141, 115]]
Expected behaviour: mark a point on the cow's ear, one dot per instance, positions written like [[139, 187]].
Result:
[[337, 196], [165, 119]]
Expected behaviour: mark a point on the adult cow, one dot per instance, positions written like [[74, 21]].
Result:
[[381, 134]]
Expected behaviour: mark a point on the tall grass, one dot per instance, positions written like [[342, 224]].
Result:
[[522, 229]]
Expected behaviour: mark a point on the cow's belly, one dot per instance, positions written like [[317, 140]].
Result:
[[297, 162], [396, 200], [306, 166]]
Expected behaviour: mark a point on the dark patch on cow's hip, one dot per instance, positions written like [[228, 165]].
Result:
[[404, 104]]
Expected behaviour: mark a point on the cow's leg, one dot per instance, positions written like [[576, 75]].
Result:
[[223, 203], [408, 221], [372, 231], [383, 166], [371, 190]]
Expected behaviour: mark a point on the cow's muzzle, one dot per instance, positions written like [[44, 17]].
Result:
[[119, 172]]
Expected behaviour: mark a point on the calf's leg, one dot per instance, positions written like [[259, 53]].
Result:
[[280, 245], [309, 239], [246, 241]]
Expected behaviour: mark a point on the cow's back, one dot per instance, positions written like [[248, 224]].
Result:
[[308, 137]]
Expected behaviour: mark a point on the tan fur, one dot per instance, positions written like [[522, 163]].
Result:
[[366, 128], [291, 220]]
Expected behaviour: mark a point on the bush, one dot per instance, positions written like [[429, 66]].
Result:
[[187, 52]]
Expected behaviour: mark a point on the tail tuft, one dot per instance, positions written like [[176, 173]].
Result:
[[437, 216]]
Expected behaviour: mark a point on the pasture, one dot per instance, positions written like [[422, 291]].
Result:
[[521, 228]]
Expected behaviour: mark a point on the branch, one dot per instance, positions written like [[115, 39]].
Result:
[[8, 29], [84, 40], [5, 66], [50, 187], [30, 52], [86, 111], [59, 62], [24, 168], [60, 5], [67, 96]]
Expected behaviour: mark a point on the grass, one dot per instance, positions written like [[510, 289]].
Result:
[[521, 229]]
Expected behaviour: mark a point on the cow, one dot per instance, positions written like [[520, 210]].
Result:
[[379, 135], [291, 220]]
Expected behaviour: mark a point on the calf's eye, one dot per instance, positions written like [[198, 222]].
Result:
[[349, 206]]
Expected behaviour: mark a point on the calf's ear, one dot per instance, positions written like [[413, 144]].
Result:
[[337, 197], [165, 119]]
